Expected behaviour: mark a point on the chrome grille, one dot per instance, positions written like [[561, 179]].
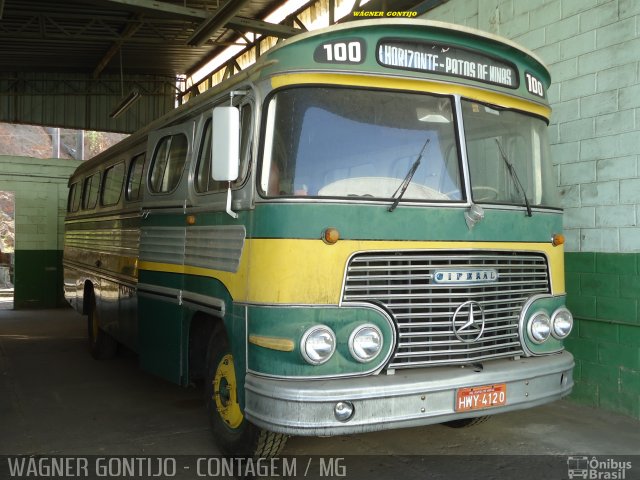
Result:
[[403, 283]]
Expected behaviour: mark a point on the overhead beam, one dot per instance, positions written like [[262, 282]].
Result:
[[215, 22], [131, 29], [198, 15]]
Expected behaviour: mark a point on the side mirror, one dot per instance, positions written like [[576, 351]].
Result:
[[225, 147]]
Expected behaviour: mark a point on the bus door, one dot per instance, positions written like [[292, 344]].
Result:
[[161, 324]]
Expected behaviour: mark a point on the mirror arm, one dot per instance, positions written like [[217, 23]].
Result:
[[230, 212]]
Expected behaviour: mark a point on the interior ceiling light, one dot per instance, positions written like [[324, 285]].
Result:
[[125, 103]]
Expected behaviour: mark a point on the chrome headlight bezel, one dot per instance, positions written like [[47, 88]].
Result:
[[556, 317], [316, 332], [540, 318], [356, 351]]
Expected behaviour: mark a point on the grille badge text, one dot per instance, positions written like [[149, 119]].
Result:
[[465, 276]]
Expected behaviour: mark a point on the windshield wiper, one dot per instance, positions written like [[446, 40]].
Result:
[[407, 179], [514, 176]]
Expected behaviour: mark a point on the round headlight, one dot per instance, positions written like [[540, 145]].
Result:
[[318, 344], [539, 327], [561, 323], [365, 343]]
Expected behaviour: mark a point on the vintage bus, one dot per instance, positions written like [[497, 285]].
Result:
[[359, 232]]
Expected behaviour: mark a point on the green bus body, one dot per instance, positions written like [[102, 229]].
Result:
[[340, 299]]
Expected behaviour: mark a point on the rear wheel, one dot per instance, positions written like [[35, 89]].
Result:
[[101, 345], [466, 422], [232, 432]]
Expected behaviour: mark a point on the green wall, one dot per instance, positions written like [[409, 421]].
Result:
[[40, 188], [602, 292]]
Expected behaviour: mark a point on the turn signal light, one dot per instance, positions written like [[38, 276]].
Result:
[[331, 235], [557, 239]]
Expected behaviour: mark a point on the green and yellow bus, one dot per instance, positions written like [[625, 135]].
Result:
[[359, 232]]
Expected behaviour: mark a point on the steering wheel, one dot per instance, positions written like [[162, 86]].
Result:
[[490, 193]]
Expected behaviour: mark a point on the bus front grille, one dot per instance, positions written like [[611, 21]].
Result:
[[423, 306]]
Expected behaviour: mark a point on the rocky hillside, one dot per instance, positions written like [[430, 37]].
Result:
[[7, 222], [35, 141]]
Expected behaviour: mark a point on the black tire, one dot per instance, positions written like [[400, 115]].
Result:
[[466, 422], [102, 346], [232, 432]]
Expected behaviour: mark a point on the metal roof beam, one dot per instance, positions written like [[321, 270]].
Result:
[[215, 22], [195, 14], [115, 47]]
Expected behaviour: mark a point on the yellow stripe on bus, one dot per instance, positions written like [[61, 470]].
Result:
[[291, 271], [478, 94]]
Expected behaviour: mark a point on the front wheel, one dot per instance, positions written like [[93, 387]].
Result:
[[232, 432]]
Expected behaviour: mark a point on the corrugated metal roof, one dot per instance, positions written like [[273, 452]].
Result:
[[92, 36]]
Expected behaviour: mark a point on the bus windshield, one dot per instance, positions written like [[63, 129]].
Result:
[[342, 142], [506, 148]]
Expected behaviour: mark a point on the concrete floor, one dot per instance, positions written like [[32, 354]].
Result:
[[56, 400]]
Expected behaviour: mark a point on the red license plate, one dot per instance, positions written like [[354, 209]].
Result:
[[478, 398]]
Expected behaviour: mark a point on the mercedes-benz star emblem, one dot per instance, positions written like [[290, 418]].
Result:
[[468, 322]]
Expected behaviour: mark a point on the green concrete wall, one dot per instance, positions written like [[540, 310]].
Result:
[[603, 292], [591, 48], [40, 188]]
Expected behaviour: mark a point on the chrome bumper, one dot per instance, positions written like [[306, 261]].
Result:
[[408, 398]]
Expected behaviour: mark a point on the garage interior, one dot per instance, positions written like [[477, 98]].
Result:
[[116, 65]]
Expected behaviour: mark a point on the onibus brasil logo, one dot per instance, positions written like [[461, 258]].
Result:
[[597, 469]]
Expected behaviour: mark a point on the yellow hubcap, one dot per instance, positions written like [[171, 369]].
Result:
[[225, 393]]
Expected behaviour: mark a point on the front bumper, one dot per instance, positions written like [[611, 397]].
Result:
[[408, 398]]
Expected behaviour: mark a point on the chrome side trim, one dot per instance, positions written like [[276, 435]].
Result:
[[414, 398], [215, 247], [211, 305], [163, 244], [123, 280]]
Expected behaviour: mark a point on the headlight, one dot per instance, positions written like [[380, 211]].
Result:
[[318, 344], [561, 323], [539, 327], [365, 343]]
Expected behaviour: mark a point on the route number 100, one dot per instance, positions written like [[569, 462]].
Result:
[[343, 52], [534, 85]]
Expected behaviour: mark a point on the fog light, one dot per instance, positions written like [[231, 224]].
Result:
[[318, 344], [343, 411], [539, 327], [561, 323], [365, 343]]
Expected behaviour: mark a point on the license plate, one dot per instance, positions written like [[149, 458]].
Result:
[[477, 398]]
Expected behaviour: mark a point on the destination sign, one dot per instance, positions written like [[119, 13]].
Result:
[[446, 60]]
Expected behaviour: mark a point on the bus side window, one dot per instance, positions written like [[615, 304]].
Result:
[[204, 181], [168, 163], [74, 197], [90, 191], [112, 184], [134, 181]]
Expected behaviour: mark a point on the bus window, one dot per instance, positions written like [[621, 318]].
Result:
[[498, 140], [204, 181], [90, 191], [112, 186], [168, 163], [74, 198], [134, 181], [340, 142]]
